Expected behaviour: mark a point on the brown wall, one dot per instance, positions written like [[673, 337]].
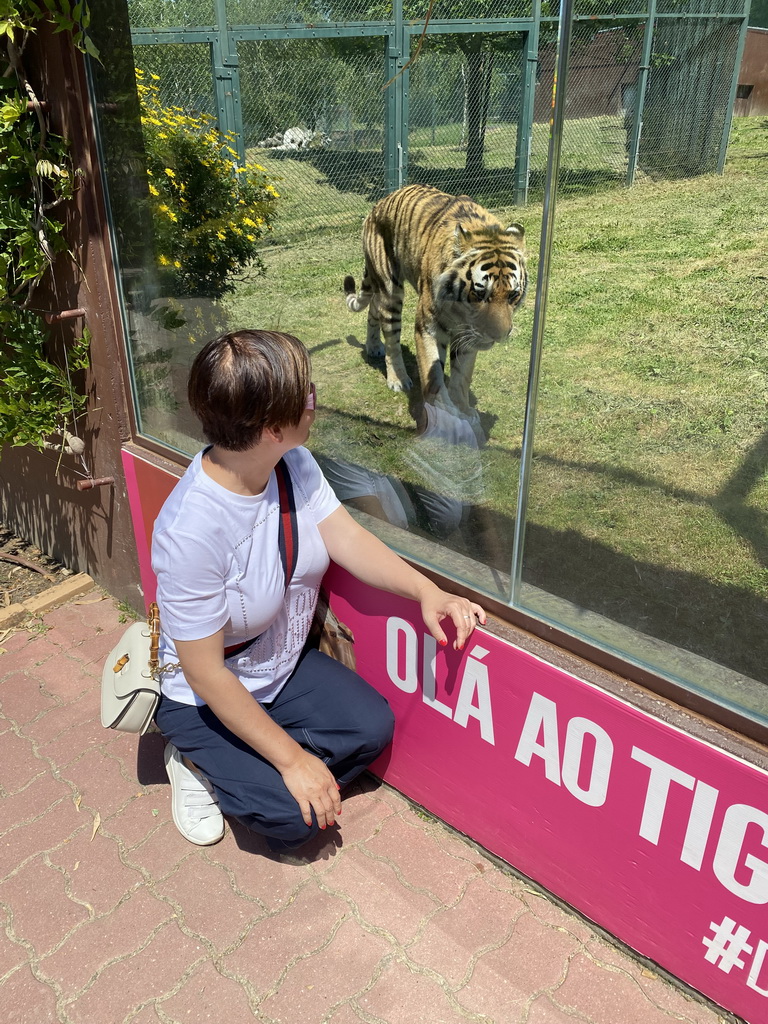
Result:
[[89, 531], [754, 72], [597, 76]]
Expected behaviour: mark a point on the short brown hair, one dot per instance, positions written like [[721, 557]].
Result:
[[246, 381]]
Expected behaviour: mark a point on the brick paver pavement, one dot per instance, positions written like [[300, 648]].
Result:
[[110, 916]]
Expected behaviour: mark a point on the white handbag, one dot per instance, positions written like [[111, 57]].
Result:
[[130, 680]]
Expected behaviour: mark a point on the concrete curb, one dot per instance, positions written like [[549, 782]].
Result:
[[15, 614]]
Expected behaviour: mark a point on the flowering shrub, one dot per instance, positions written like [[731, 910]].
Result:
[[208, 213]]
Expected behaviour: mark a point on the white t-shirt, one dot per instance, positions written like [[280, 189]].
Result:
[[217, 561]]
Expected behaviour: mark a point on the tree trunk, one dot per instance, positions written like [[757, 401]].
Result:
[[477, 94]]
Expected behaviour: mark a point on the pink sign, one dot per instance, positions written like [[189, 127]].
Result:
[[656, 836]]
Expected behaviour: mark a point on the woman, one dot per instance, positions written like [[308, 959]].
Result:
[[258, 726]]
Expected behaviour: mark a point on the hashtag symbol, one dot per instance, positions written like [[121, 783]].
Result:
[[726, 944]]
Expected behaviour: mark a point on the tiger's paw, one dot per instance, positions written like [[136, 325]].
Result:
[[374, 350]]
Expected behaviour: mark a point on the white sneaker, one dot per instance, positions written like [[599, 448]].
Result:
[[194, 805]]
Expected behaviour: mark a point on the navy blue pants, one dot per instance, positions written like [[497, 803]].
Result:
[[325, 706]]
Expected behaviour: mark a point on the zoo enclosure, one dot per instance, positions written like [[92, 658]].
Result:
[[375, 101]]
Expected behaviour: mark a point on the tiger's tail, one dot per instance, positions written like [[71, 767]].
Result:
[[357, 302]]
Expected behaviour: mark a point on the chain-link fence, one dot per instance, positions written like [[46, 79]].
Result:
[[689, 99], [183, 74], [347, 100]]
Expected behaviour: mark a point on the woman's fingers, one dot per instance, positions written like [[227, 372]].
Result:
[[465, 621], [314, 789], [328, 806], [463, 613]]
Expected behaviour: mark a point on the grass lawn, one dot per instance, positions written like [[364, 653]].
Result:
[[650, 483]]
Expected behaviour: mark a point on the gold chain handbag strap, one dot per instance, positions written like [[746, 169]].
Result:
[[153, 622]]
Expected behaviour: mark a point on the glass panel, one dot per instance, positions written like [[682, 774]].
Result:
[[645, 533], [318, 124], [646, 530]]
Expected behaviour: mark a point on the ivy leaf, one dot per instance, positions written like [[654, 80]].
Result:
[[90, 48]]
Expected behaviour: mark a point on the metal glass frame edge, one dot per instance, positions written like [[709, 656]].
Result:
[[542, 287]]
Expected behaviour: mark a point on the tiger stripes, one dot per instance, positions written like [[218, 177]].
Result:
[[469, 273]]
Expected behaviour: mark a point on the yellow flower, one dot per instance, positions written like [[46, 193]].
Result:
[[170, 173], [153, 190], [251, 238], [272, 191], [162, 135], [177, 264], [155, 77], [163, 261], [168, 212], [249, 223], [221, 235]]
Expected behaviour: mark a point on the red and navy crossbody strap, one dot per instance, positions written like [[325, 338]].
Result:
[[289, 527], [288, 540]]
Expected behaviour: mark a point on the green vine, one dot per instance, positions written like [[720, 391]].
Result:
[[38, 397]]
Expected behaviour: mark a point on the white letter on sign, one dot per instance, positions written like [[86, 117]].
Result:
[[475, 681], [541, 717], [699, 824], [409, 681], [737, 819], [594, 794], [757, 963], [658, 791]]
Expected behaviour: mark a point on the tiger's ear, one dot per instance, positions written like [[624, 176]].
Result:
[[517, 231], [461, 238]]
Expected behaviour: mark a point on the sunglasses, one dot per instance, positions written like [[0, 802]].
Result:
[[311, 397]]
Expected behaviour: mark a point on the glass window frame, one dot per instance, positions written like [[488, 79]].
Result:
[[515, 612]]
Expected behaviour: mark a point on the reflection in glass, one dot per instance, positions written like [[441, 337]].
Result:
[[645, 528], [646, 531]]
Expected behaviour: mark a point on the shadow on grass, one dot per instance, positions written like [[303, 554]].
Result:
[[362, 172], [717, 621]]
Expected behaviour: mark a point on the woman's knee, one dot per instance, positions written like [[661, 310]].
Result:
[[382, 725]]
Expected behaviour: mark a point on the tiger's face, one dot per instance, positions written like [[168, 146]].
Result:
[[483, 286]]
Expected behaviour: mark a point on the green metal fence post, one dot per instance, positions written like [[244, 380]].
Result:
[[641, 89], [393, 101], [404, 82], [734, 84], [226, 80], [527, 100]]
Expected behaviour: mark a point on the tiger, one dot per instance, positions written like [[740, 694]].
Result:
[[469, 273]]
